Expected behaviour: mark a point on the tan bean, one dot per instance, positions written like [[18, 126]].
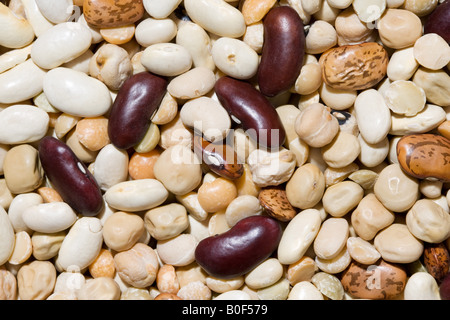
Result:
[[122, 230], [342, 197], [167, 221], [301, 270], [23, 248], [36, 280], [342, 150], [399, 28], [102, 288], [216, 195], [93, 132], [166, 279], [8, 285], [103, 265], [306, 186]]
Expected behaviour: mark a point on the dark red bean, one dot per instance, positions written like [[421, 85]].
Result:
[[252, 110], [219, 157], [439, 21], [70, 177], [240, 249], [283, 51], [136, 102], [444, 288]]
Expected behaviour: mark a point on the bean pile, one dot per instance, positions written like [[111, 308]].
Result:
[[224, 149]]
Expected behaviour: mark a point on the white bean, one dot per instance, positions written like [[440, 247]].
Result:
[[402, 64], [49, 217], [110, 166], [421, 286], [160, 9], [151, 31], [166, 59], [18, 205], [56, 11], [17, 32], [35, 17], [7, 238]]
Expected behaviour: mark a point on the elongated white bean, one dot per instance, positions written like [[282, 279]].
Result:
[[111, 166], [7, 237], [12, 58], [166, 59], [49, 217], [17, 32], [56, 11], [39, 23]]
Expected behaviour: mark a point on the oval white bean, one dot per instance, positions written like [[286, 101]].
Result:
[[7, 238], [49, 217], [151, 31], [56, 11], [160, 9], [110, 166], [17, 31], [166, 59]]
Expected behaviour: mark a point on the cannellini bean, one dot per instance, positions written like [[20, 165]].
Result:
[[17, 31], [56, 11], [150, 31], [12, 58], [342, 197], [421, 286], [49, 217], [194, 83], [265, 274], [166, 59], [426, 120], [38, 21]]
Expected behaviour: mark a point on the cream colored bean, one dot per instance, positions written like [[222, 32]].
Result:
[[342, 151], [81, 245], [197, 41], [224, 285], [341, 198], [64, 123], [436, 84], [243, 145], [321, 37], [370, 217], [36, 280], [396, 190], [135, 294], [309, 79], [56, 11], [178, 168], [402, 64], [166, 279], [166, 59], [233, 295], [99, 289], [22, 82], [17, 31], [277, 291], [159, 9], [331, 238], [136, 195], [83, 153], [431, 189], [336, 175], [22, 248], [271, 167], [6, 196], [175, 133], [22, 124], [235, 58], [254, 36], [428, 221], [405, 97], [426, 120], [372, 115], [299, 235], [95, 33], [111, 64], [305, 290], [216, 16], [337, 99], [373, 154], [17, 207], [206, 115], [300, 150], [311, 6], [40, 23], [7, 237], [316, 126], [306, 186], [193, 207], [327, 13], [399, 28], [397, 244], [177, 251], [362, 251], [8, 285], [69, 283], [12, 58], [166, 221], [111, 166], [192, 84], [434, 59], [369, 11], [394, 3], [217, 194], [83, 96], [122, 230], [334, 265], [241, 207], [421, 286], [137, 266], [49, 217], [151, 31], [351, 30], [47, 245], [69, 40], [301, 270], [288, 114], [167, 110], [265, 274], [420, 7], [195, 290]]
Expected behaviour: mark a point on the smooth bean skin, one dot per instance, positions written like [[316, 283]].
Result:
[[238, 250], [252, 109], [136, 102], [439, 21], [70, 177], [283, 51]]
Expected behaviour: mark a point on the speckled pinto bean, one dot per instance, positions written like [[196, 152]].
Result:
[[108, 13], [70, 177], [136, 102], [240, 249], [250, 108], [283, 51]]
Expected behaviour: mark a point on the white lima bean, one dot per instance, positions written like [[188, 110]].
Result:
[[49, 217], [166, 59], [110, 166], [194, 83]]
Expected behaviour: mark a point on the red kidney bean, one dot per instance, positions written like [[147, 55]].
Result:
[[249, 107], [444, 288], [240, 249], [219, 157], [70, 177], [283, 51], [439, 21], [136, 102]]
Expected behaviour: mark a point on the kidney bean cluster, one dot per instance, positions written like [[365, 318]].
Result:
[[224, 149]]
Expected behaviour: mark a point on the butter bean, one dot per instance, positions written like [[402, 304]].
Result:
[[84, 96], [332, 228], [299, 235], [277, 291], [405, 97], [402, 64], [159, 9], [334, 265], [224, 285], [22, 82], [370, 216], [216, 16], [342, 197], [241, 207], [36, 280], [362, 251], [111, 166], [49, 217], [342, 150], [426, 120], [374, 128], [305, 290], [136, 195], [38, 21], [150, 31], [7, 237], [177, 251], [397, 244], [265, 274], [166, 59], [81, 245], [435, 83], [17, 31], [306, 186], [137, 266], [432, 59], [22, 169], [235, 58], [14, 57], [233, 295], [399, 28], [106, 13], [421, 286]]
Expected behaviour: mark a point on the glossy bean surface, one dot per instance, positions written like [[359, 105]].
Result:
[[282, 52], [238, 250], [439, 21], [136, 102], [70, 177], [250, 108]]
